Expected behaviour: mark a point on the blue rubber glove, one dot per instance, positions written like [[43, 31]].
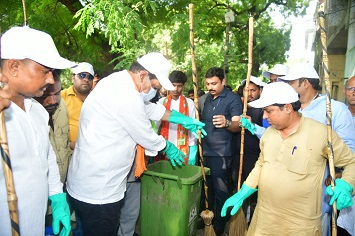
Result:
[[188, 123], [61, 214], [237, 199], [192, 154], [341, 193], [174, 154], [248, 125]]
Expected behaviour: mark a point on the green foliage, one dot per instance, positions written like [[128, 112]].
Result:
[[110, 34]]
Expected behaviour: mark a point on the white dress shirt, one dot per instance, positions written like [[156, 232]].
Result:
[[113, 121], [34, 168]]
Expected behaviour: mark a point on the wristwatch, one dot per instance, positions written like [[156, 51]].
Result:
[[228, 123]]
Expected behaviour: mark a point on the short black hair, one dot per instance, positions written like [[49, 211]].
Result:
[[315, 83], [191, 91], [215, 71], [136, 67], [177, 76], [56, 74], [295, 105], [200, 93]]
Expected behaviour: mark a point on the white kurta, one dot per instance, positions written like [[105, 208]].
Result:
[[34, 168], [173, 128], [113, 121]]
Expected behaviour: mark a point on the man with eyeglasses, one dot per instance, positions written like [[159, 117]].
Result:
[[349, 92], [28, 59], [75, 95]]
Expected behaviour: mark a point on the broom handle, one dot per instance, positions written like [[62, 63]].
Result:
[[24, 12], [245, 96], [329, 109], [9, 180], [194, 80]]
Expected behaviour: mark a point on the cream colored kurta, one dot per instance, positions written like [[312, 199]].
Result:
[[289, 177]]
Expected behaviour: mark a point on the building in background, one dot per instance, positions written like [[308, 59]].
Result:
[[340, 27]]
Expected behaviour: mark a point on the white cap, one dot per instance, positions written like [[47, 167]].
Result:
[[257, 81], [301, 70], [278, 69], [23, 42], [275, 93], [84, 67], [158, 65]]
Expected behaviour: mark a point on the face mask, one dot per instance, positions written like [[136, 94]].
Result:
[[148, 96]]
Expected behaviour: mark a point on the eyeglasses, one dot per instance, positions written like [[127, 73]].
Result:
[[348, 89], [83, 76]]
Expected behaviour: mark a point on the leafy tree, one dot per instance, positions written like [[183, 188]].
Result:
[[111, 34]]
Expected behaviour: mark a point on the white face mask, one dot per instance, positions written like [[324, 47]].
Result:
[[148, 96]]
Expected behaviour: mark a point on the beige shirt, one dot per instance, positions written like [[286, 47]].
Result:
[[289, 176], [60, 139]]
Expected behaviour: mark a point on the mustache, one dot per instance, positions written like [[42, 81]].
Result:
[[211, 90], [51, 107]]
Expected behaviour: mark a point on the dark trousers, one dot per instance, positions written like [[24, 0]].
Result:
[[218, 193], [98, 220]]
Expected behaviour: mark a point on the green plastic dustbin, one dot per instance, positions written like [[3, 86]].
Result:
[[170, 199]]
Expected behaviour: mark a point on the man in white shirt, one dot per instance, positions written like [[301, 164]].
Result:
[[29, 57], [110, 130]]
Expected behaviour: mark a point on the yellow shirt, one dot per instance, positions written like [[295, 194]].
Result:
[[289, 176], [74, 105]]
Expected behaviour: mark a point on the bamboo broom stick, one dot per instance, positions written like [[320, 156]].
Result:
[[329, 109], [7, 169], [206, 215], [238, 225]]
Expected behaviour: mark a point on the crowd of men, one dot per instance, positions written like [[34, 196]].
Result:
[[76, 152]]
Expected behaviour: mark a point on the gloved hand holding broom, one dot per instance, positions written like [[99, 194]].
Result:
[[341, 193], [237, 199]]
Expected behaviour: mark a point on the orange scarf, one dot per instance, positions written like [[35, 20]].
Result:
[[140, 158], [182, 133]]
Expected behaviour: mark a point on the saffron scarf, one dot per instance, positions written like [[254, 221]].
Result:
[[182, 133]]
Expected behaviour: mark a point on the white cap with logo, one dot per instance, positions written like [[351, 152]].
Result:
[[278, 69], [24, 42], [301, 70], [158, 65], [84, 67], [275, 93]]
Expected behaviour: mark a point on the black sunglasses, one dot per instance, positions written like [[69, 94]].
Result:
[[83, 76]]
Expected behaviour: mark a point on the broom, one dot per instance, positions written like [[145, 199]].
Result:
[[206, 215], [238, 224], [7, 169], [329, 109]]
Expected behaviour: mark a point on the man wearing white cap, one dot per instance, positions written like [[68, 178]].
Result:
[[75, 95], [305, 80], [110, 130], [251, 142], [275, 72], [289, 172], [29, 57]]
